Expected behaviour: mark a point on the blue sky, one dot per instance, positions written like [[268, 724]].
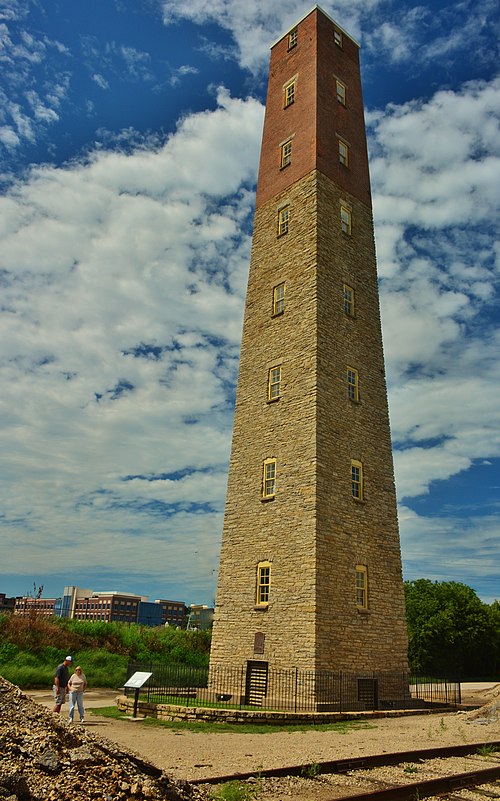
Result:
[[129, 144]]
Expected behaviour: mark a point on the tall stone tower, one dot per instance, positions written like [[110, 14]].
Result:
[[310, 567]]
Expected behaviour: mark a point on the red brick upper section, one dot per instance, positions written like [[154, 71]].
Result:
[[316, 120]]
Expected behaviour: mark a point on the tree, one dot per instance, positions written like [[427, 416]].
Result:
[[451, 631]]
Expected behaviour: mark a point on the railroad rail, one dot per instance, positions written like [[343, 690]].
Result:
[[357, 763], [446, 786]]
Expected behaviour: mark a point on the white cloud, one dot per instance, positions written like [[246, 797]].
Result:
[[463, 549], [436, 178], [123, 282], [101, 82], [255, 26], [412, 35], [24, 111]]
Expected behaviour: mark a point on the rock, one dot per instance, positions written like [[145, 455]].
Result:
[[41, 757], [81, 756], [48, 761], [16, 784]]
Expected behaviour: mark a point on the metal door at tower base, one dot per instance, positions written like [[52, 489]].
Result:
[[368, 692], [256, 683]]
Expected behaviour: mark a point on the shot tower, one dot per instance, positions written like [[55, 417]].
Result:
[[310, 567]]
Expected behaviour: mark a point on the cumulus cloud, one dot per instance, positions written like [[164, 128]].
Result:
[[123, 278], [23, 110], [436, 176], [411, 35], [122, 291], [472, 557], [254, 26]]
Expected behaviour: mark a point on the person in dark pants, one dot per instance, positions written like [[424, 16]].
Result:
[[61, 684]]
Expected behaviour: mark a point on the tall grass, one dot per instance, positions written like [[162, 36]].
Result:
[[31, 648]]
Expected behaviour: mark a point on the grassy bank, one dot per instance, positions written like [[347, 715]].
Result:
[[31, 648]]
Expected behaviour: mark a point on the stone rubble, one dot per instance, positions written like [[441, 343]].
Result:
[[44, 758], [489, 712]]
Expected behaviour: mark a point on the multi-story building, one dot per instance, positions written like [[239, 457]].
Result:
[[109, 606], [173, 613], [83, 604], [6, 604], [310, 567], [27, 606], [200, 616]]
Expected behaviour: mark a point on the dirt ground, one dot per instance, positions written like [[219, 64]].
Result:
[[192, 755]]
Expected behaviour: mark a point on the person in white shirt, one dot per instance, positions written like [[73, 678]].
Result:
[[77, 686]]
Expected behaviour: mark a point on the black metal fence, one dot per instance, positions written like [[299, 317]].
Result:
[[292, 690]]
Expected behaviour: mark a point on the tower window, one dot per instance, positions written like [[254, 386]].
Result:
[[263, 583], [289, 93], [348, 293], [292, 39], [274, 383], [269, 479], [337, 38], [352, 384], [341, 91], [283, 220], [286, 153], [279, 299], [361, 587], [345, 220], [343, 153], [357, 480]]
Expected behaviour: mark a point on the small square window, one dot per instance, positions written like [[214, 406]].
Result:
[[343, 153], [279, 299], [337, 37], [357, 480], [274, 383], [263, 583], [292, 39], [352, 384], [348, 294], [283, 220], [361, 587], [289, 94], [341, 91], [286, 153], [269, 479], [345, 220]]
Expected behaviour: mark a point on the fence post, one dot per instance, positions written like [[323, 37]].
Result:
[[241, 684], [296, 688]]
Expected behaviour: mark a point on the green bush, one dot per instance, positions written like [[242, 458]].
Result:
[[31, 648]]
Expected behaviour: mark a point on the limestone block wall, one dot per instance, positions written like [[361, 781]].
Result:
[[352, 532], [313, 533], [281, 531]]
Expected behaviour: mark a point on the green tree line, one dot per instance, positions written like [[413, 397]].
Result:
[[451, 631]]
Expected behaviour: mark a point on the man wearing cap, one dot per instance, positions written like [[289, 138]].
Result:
[[61, 683]]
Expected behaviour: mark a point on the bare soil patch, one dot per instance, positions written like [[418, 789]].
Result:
[[187, 755], [196, 755]]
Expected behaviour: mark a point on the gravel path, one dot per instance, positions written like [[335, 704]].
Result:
[[193, 755]]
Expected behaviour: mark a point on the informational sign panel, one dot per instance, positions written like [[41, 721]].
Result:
[[137, 680]]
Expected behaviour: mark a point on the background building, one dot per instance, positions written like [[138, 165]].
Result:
[[200, 616], [42, 607], [6, 604], [84, 604]]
